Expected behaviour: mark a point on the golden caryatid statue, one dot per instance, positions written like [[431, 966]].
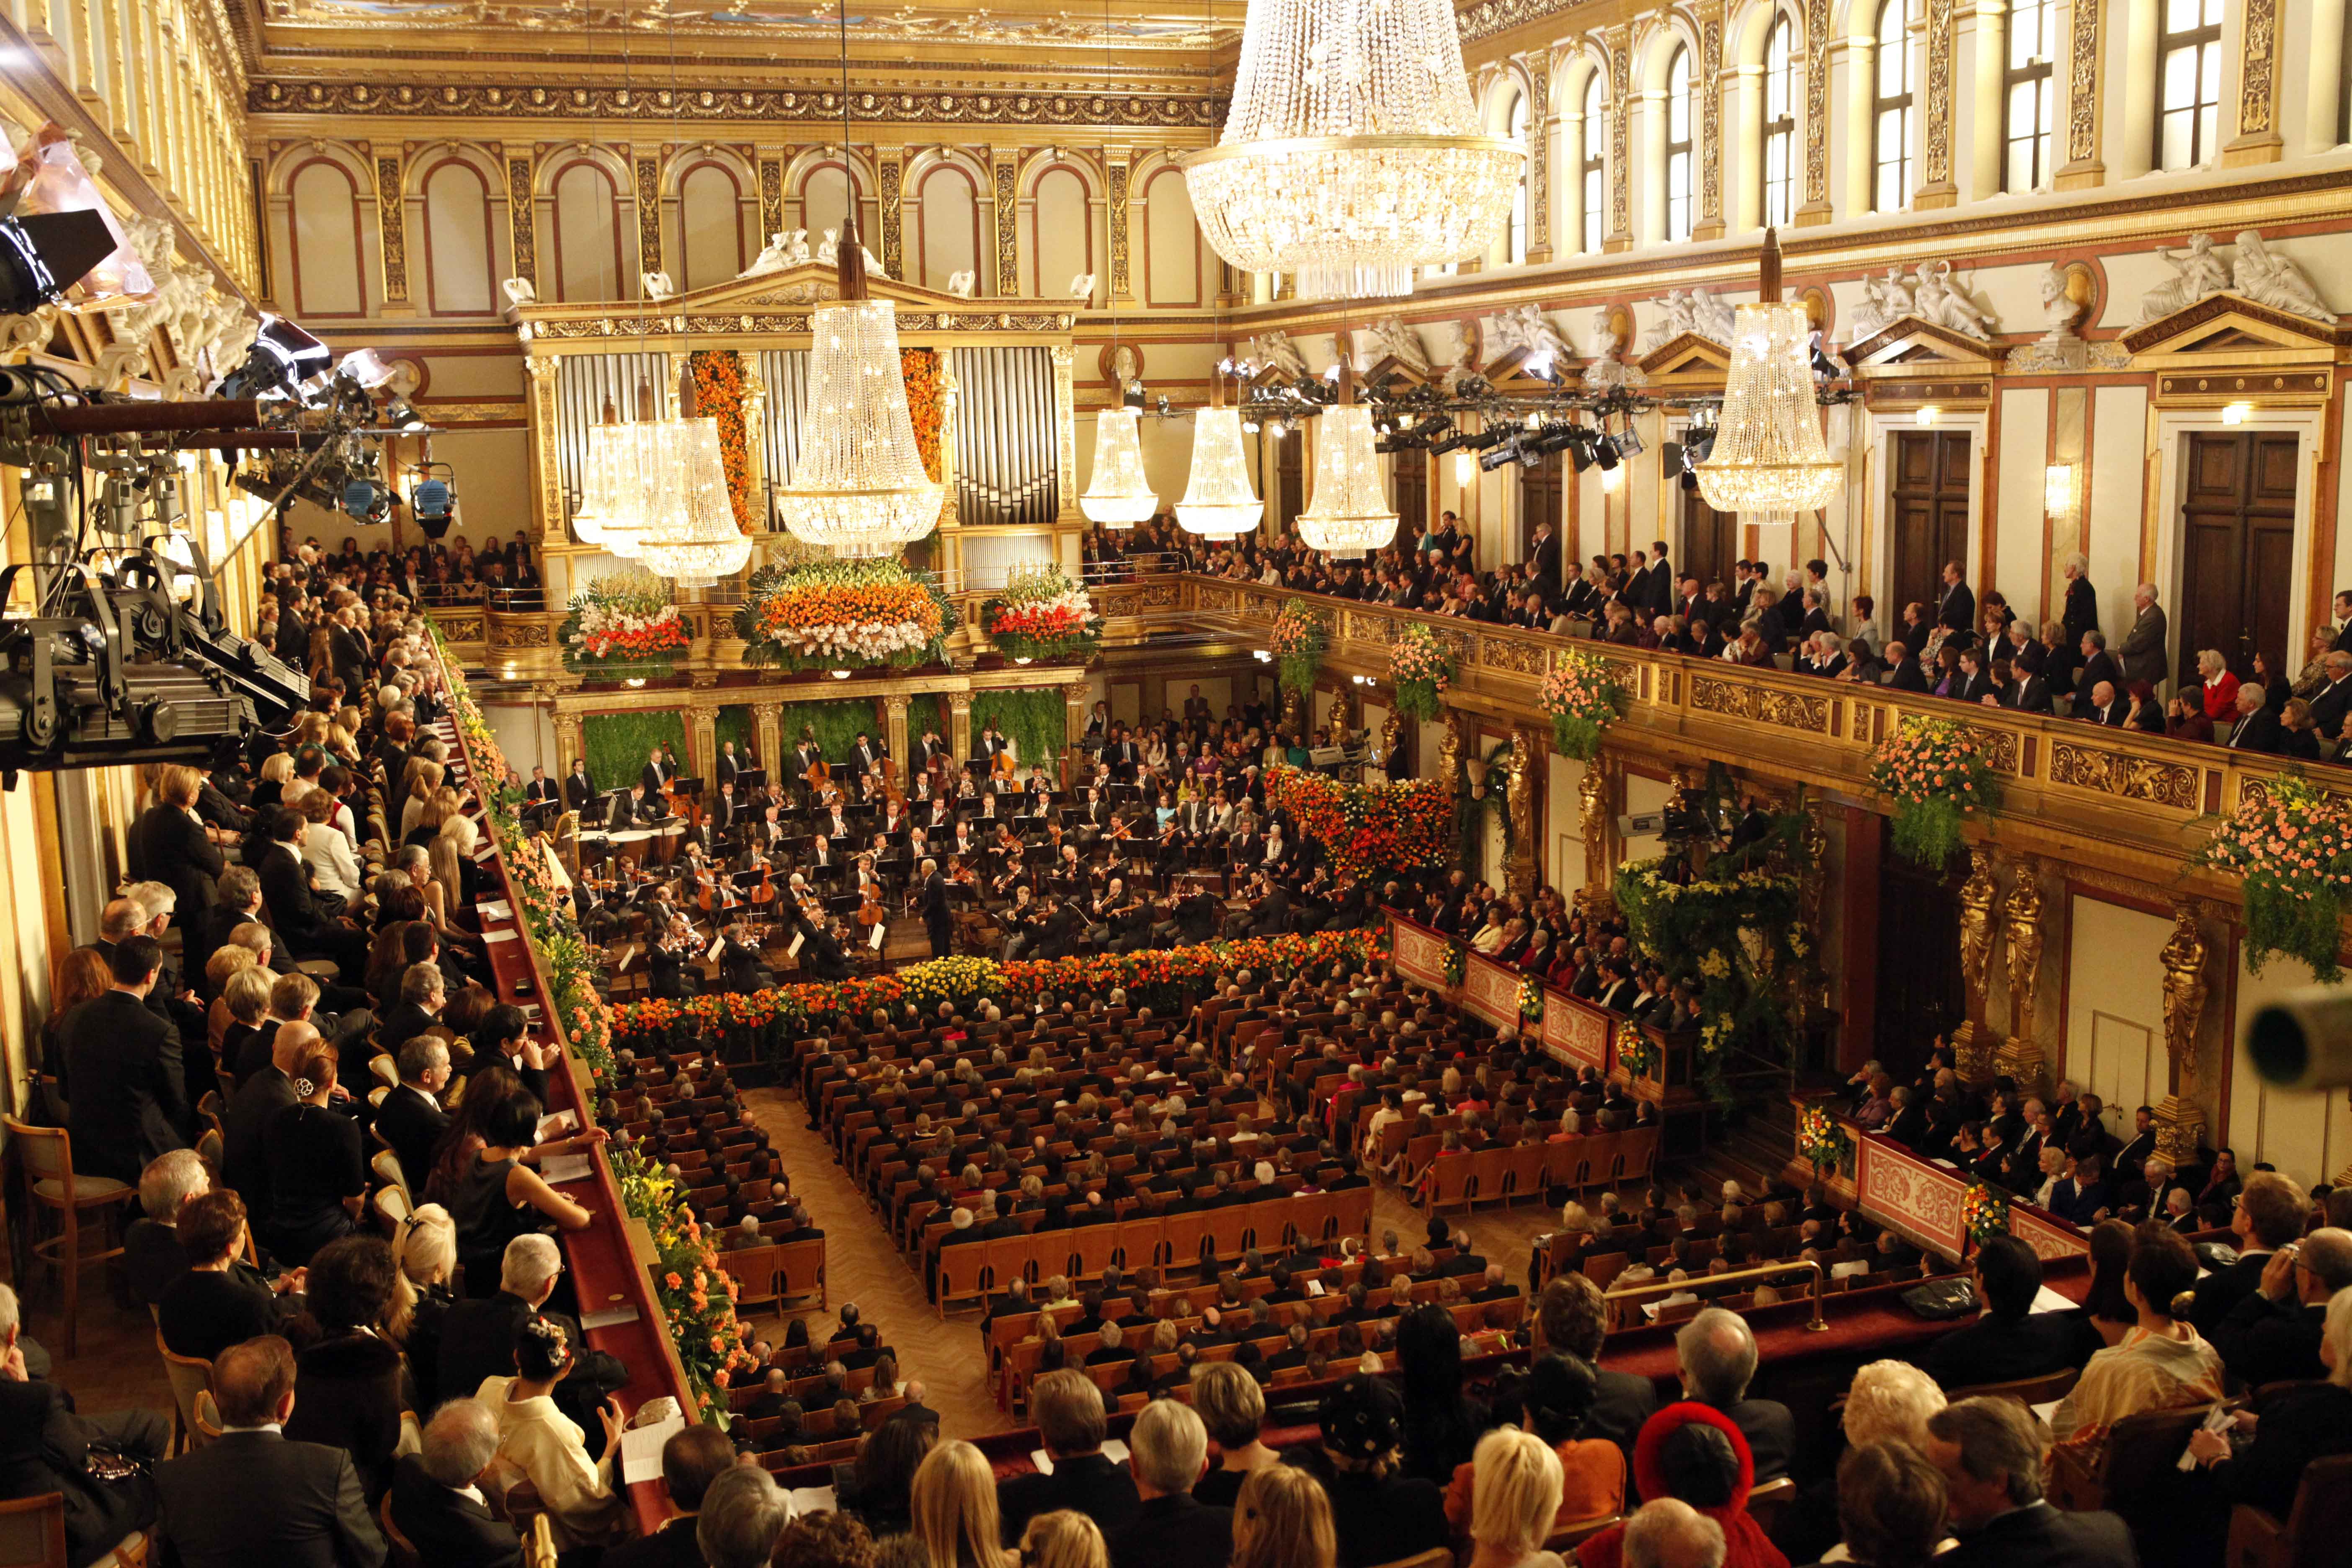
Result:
[[1449, 750], [2179, 1125], [1592, 823], [1971, 1043], [1520, 796], [2019, 1056], [1391, 739], [1336, 719]]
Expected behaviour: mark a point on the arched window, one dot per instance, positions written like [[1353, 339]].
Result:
[[1517, 252], [1679, 183], [1891, 125], [2033, 94], [1779, 124], [1590, 183], [2189, 83], [710, 225], [587, 233]]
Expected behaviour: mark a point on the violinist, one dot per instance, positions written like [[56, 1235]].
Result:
[[672, 957], [740, 969], [1020, 921], [823, 955], [1040, 793], [804, 898]]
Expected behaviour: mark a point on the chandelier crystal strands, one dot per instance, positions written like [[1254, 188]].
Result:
[[859, 489], [1351, 156], [1350, 510], [1770, 454], [690, 533], [1116, 493], [615, 478], [1219, 502]]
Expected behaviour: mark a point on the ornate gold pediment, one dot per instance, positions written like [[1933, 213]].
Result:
[[1687, 359], [2226, 328], [1912, 345]]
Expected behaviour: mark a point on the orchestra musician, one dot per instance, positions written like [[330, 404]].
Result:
[[867, 756], [636, 809], [1020, 921], [652, 777], [542, 790], [726, 812], [1094, 818], [740, 969], [727, 767], [579, 790], [823, 955], [672, 957], [931, 749], [1040, 793]]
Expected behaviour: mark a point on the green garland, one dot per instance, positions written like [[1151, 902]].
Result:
[[1936, 773], [1737, 936]]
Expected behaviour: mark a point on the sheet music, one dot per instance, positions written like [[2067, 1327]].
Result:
[[794, 950], [881, 931]]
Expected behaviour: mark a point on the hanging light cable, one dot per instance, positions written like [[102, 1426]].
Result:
[[1118, 495], [689, 532], [1351, 156], [859, 489]]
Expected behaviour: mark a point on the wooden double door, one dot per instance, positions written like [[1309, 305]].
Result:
[[1928, 509], [2237, 556]]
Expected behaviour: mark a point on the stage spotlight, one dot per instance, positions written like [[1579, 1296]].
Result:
[[42, 255], [1604, 453], [1627, 443], [366, 500], [404, 418], [1501, 457], [283, 355]]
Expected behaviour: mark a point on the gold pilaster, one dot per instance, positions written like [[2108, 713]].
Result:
[[1118, 172], [959, 724], [2021, 1055], [567, 743], [890, 172], [893, 730], [702, 739], [1937, 186], [1972, 1046], [1817, 207], [768, 737], [1541, 125], [1619, 42], [1710, 225], [547, 471], [2085, 39], [2258, 139], [1004, 181], [391, 228], [522, 214]]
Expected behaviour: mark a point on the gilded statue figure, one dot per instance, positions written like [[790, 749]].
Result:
[[1449, 750], [1522, 797], [2023, 914], [2184, 989], [1977, 895]]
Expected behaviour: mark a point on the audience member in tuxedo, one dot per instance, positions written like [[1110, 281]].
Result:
[[691, 1459], [410, 1117], [1169, 1452], [222, 1299], [1069, 1410], [123, 1075], [152, 1258], [437, 1503], [1716, 1353], [2274, 1335], [350, 1375], [253, 1496], [45, 1446], [2270, 1214], [2011, 1340], [1992, 1453]]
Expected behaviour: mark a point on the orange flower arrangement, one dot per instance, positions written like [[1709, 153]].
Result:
[[926, 404], [718, 392], [843, 614]]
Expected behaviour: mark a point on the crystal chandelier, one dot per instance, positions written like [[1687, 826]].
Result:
[[859, 489], [1769, 454], [1218, 501], [689, 532], [1350, 511], [1118, 495], [1351, 156], [613, 475]]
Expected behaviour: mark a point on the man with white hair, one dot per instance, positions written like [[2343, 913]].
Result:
[[2142, 655], [1669, 1534], [1716, 1353], [152, 1255], [477, 1339], [436, 1500], [1168, 1453], [742, 1513]]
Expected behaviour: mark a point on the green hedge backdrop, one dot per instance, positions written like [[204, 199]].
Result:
[[616, 743], [1034, 719]]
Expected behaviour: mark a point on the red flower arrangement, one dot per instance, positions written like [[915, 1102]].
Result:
[[1367, 828], [926, 404]]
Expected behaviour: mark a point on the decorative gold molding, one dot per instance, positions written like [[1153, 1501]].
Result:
[[1005, 179], [2083, 165], [910, 322], [521, 217], [1621, 172], [392, 226], [1936, 188], [1117, 210], [890, 174], [649, 233], [747, 105], [1710, 124], [1489, 19], [2258, 139], [772, 196], [441, 413], [1817, 208], [1539, 125]]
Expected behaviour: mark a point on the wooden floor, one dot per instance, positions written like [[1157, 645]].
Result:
[[116, 1364], [948, 1358]]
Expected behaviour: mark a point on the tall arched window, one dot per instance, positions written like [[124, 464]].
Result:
[[1590, 167], [2033, 94], [1892, 120], [1779, 124], [1679, 183], [1517, 251], [2189, 83]]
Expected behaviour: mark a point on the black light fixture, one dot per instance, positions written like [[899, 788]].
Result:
[[42, 255], [1501, 457], [283, 355]]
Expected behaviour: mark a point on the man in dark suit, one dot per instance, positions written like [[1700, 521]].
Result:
[[1716, 1353], [938, 924], [250, 1496], [411, 1119], [726, 767], [1574, 1322], [1169, 1452], [579, 789], [2026, 691], [437, 1506], [297, 916], [2011, 1340], [1903, 671], [477, 1339], [45, 1447], [2269, 1214], [123, 1076], [244, 1168], [1955, 608], [2273, 1336], [2098, 666], [542, 790], [2256, 728], [2333, 701], [1543, 559], [691, 1460], [1990, 1452], [2105, 708], [1069, 1410]]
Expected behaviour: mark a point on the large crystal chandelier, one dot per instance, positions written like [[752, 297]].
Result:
[[613, 472], [1770, 454], [1117, 494], [859, 489], [689, 532], [1352, 157], [1350, 511], [1218, 500]]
